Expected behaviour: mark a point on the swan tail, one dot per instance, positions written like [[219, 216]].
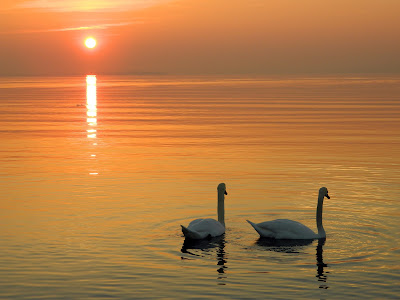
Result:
[[189, 234], [261, 232], [252, 224]]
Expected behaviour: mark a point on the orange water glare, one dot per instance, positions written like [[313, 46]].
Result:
[[91, 113], [91, 101]]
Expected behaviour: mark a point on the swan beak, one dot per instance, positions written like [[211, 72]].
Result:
[[226, 193], [327, 196]]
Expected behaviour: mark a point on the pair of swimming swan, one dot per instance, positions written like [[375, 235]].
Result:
[[276, 229]]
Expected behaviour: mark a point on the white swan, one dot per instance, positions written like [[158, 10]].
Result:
[[202, 228], [288, 229]]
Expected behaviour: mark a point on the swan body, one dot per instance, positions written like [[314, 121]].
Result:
[[283, 229], [203, 228], [288, 229]]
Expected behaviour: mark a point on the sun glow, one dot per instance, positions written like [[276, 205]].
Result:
[[90, 42]]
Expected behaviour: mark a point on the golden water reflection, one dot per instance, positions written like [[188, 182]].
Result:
[[91, 113], [160, 151], [91, 105]]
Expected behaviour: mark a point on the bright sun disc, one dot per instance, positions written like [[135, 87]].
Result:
[[90, 42]]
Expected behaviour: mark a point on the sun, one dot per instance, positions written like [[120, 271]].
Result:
[[90, 42]]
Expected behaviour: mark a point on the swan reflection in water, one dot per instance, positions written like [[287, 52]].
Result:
[[293, 246], [287, 246], [321, 275], [207, 245]]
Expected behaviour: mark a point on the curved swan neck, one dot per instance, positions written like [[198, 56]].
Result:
[[321, 231], [221, 207]]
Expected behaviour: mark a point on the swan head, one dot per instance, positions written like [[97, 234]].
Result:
[[222, 188], [323, 192]]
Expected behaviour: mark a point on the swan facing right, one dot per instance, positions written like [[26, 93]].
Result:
[[206, 228], [288, 229]]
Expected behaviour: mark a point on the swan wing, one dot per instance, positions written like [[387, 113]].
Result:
[[202, 228], [283, 229], [194, 222]]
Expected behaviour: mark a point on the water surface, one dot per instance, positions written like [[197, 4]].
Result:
[[96, 178]]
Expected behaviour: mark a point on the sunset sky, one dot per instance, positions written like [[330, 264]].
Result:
[[46, 37]]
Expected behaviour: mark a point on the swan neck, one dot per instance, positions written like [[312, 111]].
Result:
[[221, 208], [320, 227]]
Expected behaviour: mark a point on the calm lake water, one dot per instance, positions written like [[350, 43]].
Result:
[[96, 178]]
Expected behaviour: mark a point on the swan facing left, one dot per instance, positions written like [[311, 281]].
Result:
[[203, 228]]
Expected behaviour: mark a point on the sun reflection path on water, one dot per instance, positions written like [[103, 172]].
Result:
[[91, 113]]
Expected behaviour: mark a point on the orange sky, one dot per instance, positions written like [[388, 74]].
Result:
[[45, 37]]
